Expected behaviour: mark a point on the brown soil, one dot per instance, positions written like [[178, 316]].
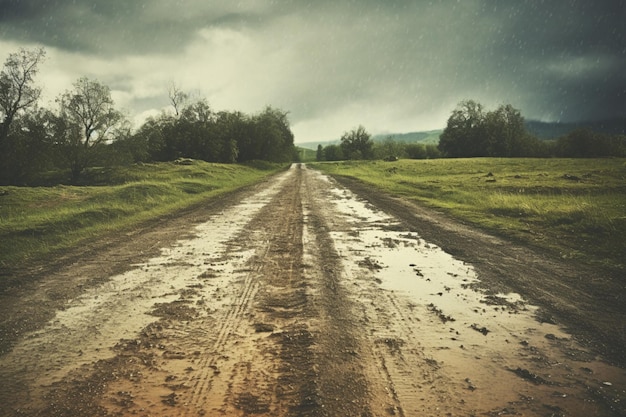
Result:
[[298, 297], [590, 302]]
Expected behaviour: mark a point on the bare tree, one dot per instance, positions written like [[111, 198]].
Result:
[[178, 98], [17, 92]]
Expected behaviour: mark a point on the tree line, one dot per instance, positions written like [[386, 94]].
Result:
[[471, 131], [358, 144], [86, 130]]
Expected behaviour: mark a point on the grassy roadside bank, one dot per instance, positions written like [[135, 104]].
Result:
[[575, 208], [36, 221]]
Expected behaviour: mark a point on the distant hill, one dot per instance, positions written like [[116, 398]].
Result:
[[425, 137], [313, 145], [543, 130], [554, 130]]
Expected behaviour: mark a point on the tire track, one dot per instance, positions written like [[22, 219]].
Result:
[[278, 311], [257, 378], [344, 385], [230, 359], [231, 321], [302, 311]]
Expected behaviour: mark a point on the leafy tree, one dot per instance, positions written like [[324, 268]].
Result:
[[147, 143], [333, 153], [432, 151], [319, 155], [416, 151], [585, 143], [464, 132], [421, 151], [196, 133], [500, 133], [357, 144], [29, 149], [504, 132], [206, 135], [198, 112], [130, 149], [389, 148], [267, 137], [87, 119], [193, 131], [229, 126]]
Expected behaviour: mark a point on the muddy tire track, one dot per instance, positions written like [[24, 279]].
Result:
[[284, 343], [391, 363], [301, 299]]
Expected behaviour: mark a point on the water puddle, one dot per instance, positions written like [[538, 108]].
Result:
[[491, 346]]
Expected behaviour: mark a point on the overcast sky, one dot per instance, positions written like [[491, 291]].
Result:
[[392, 65]]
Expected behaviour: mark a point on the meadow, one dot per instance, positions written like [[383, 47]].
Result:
[[36, 221], [575, 208]]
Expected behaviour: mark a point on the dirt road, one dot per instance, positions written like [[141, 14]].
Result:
[[294, 298]]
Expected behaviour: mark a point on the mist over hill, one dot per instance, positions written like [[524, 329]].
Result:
[[425, 137], [555, 130], [542, 130]]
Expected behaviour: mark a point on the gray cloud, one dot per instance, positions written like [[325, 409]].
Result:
[[392, 66], [117, 27], [570, 57]]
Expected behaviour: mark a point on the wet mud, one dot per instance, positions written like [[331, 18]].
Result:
[[297, 298]]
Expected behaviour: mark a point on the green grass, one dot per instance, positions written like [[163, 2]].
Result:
[[573, 207], [35, 221]]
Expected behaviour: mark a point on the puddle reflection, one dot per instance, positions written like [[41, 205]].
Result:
[[492, 342]]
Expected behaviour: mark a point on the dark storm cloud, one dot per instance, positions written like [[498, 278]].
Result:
[[574, 26], [570, 55], [114, 27], [396, 64]]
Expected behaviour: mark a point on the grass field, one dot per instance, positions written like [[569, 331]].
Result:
[[37, 220], [573, 207]]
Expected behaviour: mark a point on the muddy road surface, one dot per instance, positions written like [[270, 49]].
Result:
[[297, 297]]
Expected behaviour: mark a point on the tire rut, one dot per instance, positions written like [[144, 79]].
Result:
[[303, 300]]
